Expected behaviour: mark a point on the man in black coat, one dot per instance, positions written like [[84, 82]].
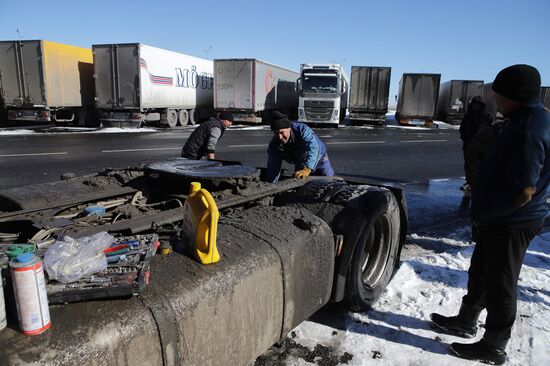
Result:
[[205, 137], [508, 210], [475, 120]]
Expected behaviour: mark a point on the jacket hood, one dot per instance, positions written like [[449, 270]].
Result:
[[477, 100]]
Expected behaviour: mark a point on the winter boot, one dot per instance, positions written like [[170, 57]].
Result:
[[481, 351], [463, 325]]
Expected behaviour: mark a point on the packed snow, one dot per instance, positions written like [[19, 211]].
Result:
[[71, 130], [432, 278]]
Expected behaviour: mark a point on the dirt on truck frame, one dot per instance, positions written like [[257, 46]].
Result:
[[287, 249]]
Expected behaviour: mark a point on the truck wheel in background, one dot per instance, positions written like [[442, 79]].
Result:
[[81, 117], [342, 114], [169, 118], [193, 116], [375, 254], [183, 117]]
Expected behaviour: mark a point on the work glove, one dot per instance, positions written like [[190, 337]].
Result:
[[302, 173]]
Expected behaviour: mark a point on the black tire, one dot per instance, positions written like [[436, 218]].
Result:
[[170, 119], [183, 117], [342, 115], [377, 239], [193, 116]]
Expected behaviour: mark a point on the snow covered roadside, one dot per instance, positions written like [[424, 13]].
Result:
[[432, 278]]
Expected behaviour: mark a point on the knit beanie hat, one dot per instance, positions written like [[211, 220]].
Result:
[[518, 82], [228, 116], [277, 120]]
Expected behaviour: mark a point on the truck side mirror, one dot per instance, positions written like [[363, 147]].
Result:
[[298, 85]]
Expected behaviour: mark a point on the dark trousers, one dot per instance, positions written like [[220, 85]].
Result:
[[493, 278], [324, 168]]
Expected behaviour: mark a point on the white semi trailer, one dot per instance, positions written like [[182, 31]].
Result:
[[323, 93], [249, 88], [138, 84]]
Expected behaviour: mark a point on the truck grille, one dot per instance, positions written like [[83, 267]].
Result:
[[318, 104], [318, 110], [318, 114]]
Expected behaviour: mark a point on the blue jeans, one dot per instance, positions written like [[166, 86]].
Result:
[[323, 167]]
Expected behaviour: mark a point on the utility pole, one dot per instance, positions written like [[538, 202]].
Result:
[[207, 50]]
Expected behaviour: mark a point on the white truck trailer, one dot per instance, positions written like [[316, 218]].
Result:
[[46, 81], [138, 84], [249, 88], [323, 93]]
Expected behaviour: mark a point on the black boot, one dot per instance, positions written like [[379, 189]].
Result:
[[463, 325], [481, 351]]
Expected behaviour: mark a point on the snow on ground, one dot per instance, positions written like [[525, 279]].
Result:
[[15, 132], [249, 128], [417, 128], [446, 126], [397, 330], [72, 130]]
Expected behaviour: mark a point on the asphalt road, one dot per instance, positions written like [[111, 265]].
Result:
[[386, 153]]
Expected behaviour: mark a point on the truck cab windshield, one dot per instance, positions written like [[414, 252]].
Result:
[[319, 83]]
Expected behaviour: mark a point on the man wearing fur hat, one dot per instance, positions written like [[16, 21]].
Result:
[[508, 210], [296, 144]]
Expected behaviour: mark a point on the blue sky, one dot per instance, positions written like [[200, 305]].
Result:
[[463, 39]]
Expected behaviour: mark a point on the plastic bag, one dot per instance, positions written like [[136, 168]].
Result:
[[69, 260]]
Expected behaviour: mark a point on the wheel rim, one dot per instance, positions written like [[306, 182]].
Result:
[[172, 119], [377, 251]]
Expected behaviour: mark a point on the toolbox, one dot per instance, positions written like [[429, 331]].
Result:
[[127, 273]]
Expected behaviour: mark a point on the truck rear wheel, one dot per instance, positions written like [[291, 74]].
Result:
[[375, 255], [183, 117], [169, 118], [193, 116]]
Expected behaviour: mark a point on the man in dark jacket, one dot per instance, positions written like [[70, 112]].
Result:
[[205, 137], [297, 144], [475, 120], [508, 210]]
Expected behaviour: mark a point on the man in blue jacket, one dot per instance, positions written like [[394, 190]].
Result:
[[508, 210], [297, 144]]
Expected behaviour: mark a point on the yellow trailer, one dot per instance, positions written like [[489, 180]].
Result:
[[46, 81]]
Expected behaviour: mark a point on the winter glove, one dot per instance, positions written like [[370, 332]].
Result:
[[303, 173]]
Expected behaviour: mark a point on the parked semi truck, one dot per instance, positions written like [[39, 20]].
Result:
[[286, 248], [417, 100], [46, 81], [369, 92], [545, 96], [454, 97], [138, 84], [249, 88], [323, 92]]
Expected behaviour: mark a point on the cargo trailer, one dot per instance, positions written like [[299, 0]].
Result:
[[454, 97], [369, 92], [545, 96], [417, 99], [249, 88], [138, 84], [323, 94], [46, 81]]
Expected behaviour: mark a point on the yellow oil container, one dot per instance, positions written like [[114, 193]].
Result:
[[200, 221]]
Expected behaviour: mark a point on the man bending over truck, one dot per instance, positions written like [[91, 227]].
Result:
[[205, 137], [297, 144]]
